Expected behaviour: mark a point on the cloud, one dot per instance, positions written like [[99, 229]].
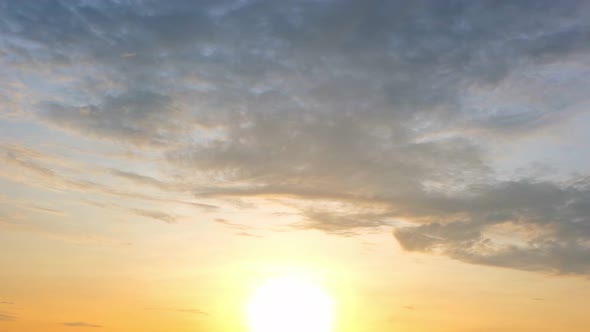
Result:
[[141, 117], [183, 310], [6, 316], [53, 172], [161, 216], [246, 234], [231, 224], [538, 226], [238, 229], [417, 58], [358, 114], [346, 223], [140, 179], [18, 223], [80, 324], [191, 311], [28, 205]]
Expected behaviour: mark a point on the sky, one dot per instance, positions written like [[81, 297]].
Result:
[[425, 162]]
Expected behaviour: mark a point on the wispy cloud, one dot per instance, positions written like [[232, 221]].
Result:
[[6, 316], [161, 216], [80, 324], [182, 310], [248, 234], [238, 229]]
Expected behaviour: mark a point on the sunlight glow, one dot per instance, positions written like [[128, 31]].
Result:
[[290, 305]]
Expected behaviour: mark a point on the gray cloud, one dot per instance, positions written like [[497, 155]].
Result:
[[80, 324], [140, 179], [139, 116], [367, 113], [346, 223], [415, 57], [528, 225]]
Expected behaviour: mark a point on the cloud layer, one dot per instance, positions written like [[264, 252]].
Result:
[[359, 114]]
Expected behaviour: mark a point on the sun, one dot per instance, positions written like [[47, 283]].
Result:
[[290, 305]]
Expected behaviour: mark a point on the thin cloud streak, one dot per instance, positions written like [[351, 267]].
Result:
[[7, 316], [80, 324]]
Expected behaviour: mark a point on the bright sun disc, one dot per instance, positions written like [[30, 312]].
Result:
[[289, 305]]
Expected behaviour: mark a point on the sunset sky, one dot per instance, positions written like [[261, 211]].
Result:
[[425, 164]]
